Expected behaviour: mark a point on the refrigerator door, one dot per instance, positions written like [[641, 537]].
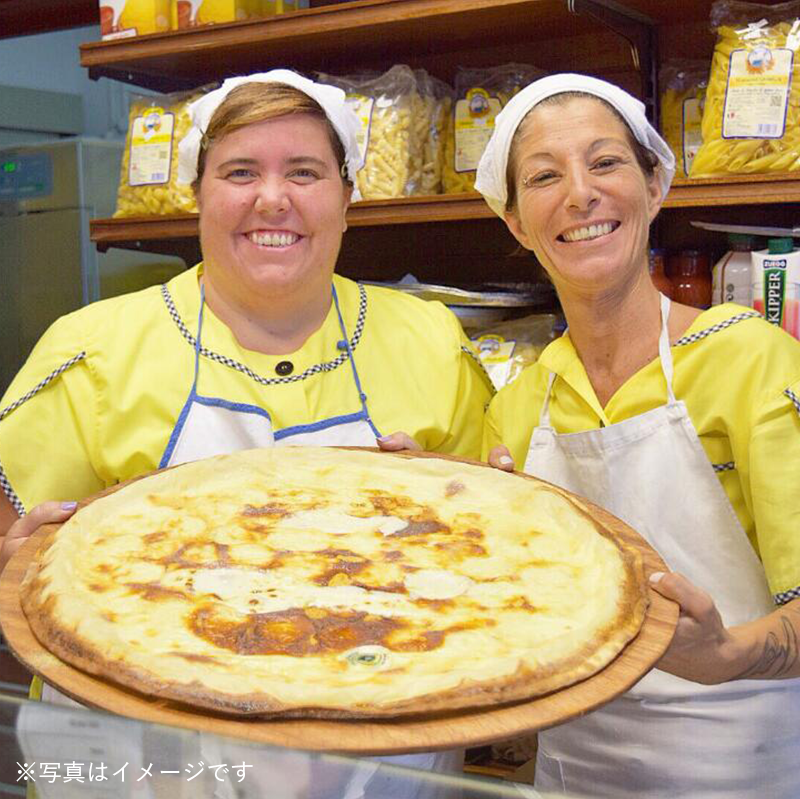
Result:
[[39, 280]]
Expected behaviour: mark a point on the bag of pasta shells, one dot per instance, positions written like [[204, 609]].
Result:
[[390, 163], [480, 94], [683, 98], [148, 184], [751, 121]]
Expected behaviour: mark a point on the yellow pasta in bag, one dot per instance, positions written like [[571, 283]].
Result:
[[751, 120], [435, 100], [148, 183], [389, 143], [480, 96], [683, 96]]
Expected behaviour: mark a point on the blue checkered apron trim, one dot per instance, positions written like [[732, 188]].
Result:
[[4, 482], [734, 320], [794, 398], [328, 366], [787, 596]]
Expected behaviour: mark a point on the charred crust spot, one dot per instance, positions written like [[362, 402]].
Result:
[[153, 592], [436, 604], [274, 510], [521, 603], [193, 658], [198, 555], [390, 588], [154, 538], [394, 554], [345, 563], [291, 632], [387, 504], [427, 640], [421, 527], [461, 549], [97, 588]]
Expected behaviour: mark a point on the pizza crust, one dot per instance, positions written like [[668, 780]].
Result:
[[454, 586]]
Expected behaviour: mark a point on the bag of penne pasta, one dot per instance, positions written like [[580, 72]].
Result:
[[683, 98], [751, 120]]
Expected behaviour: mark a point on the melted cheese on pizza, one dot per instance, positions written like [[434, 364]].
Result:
[[327, 580]]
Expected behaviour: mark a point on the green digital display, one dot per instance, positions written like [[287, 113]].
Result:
[[9, 166]]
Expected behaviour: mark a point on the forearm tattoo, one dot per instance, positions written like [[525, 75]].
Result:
[[779, 655]]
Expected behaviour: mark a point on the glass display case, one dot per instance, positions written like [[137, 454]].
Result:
[[54, 752]]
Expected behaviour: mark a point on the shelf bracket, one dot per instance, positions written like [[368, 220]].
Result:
[[640, 33]]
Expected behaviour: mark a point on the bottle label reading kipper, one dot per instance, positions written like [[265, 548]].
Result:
[[774, 289]]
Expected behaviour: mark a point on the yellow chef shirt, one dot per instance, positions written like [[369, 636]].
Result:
[[98, 398], [740, 379]]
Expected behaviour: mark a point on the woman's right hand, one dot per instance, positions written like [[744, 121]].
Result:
[[22, 529], [500, 458]]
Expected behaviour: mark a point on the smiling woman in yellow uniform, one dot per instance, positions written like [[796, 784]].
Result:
[[259, 345], [685, 424]]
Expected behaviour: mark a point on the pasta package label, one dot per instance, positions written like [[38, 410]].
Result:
[[191, 13], [362, 106], [474, 123], [692, 130], [757, 94], [495, 354], [751, 119], [151, 148], [122, 18], [148, 184]]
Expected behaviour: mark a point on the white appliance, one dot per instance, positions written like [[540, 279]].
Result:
[[48, 265]]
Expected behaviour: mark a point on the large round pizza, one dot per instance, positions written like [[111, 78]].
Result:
[[336, 583]]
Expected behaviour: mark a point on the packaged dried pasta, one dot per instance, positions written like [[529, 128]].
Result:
[[506, 348], [436, 101], [480, 94], [388, 140], [683, 97], [148, 183], [751, 120]]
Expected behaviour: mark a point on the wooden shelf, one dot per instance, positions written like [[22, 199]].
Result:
[[346, 36], [133, 232], [740, 190]]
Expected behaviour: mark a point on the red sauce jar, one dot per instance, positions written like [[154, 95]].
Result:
[[690, 275], [658, 271]]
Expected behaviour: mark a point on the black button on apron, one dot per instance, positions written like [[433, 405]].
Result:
[[284, 368]]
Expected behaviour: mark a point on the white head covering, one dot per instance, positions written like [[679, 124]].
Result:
[[331, 98], [491, 177]]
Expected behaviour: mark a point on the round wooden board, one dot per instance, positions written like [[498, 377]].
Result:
[[405, 735]]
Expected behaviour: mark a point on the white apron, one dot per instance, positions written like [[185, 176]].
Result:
[[209, 426], [668, 737]]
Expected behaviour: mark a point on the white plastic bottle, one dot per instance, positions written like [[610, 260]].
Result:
[[732, 281]]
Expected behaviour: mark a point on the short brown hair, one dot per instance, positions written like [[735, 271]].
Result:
[[647, 159], [257, 102]]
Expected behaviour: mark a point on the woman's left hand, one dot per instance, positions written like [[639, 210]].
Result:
[[702, 649], [397, 442]]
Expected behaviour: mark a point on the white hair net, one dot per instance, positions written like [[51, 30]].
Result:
[[491, 177], [331, 98]]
